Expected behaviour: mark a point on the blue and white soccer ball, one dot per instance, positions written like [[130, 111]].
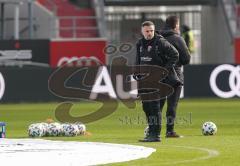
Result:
[[45, 128], [70, 130], [36, 130], [54, 129], [81, 128], [209, 128]]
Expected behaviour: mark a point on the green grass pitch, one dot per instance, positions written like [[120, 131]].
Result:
[[126, 126]]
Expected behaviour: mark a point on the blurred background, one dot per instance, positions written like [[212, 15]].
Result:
[[36, 36]]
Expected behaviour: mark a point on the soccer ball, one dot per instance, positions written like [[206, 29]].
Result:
[[70, 129], [209, 128], [54, 129], [36, 130], [146, 131], [45, 128], [81, 128]]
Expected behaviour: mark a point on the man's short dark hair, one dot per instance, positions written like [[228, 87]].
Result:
[[147, 23], [172, 21]]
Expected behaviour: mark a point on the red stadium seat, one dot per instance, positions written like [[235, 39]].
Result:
[[73, 21]]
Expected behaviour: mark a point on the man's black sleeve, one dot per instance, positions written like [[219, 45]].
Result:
[[137, 60], [170, 53], [184, 54]]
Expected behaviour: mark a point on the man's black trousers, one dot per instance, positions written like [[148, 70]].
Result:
[[153, 111]]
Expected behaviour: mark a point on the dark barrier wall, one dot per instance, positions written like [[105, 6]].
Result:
[[212, 81], [196, 81], [25, 50], [30, 84], [27, 84]]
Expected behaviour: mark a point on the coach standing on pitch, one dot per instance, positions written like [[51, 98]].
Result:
[[171, 33], [153, 49]]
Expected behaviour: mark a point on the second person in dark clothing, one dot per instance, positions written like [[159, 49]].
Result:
[[172, 34]]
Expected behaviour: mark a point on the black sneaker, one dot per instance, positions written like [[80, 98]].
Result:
[[173, 135], [151, 139]]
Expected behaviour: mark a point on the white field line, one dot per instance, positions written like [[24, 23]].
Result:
[[211, 153]]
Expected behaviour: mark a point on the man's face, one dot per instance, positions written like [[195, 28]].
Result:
[[148, 32]]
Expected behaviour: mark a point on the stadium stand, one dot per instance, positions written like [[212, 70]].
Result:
[[74, 22], [159, 2]]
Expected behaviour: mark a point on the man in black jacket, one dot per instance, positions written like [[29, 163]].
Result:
[[171, 33], [153, 49]]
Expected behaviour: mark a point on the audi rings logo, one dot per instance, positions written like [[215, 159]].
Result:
[[2, 86], [79, 61], [234, 81]]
